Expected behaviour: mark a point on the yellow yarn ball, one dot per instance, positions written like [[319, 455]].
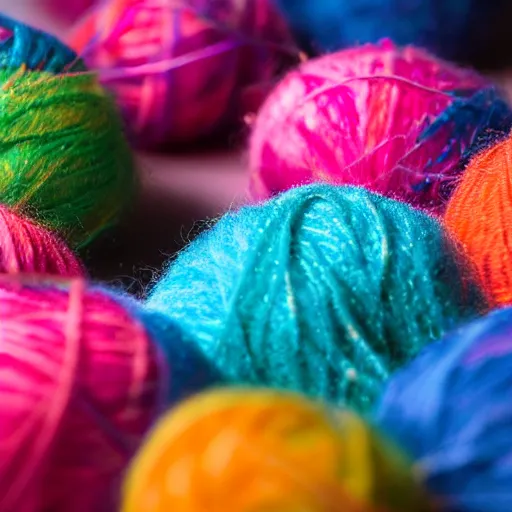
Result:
[[240, 450]]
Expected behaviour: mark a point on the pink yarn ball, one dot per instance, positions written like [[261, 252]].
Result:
[[28, 248], [79, 386], [355, 117], [180, 69]]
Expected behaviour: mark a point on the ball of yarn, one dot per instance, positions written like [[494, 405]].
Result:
[[240, 450], [63, 154], [23, 45], [28, 248], [449, 28], [82, 377], [480, 214], [80, 384], [324, 290], [395, 120], [451, 409], [179, 71]]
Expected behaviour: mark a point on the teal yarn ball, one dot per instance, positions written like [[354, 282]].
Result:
[[324, 290]]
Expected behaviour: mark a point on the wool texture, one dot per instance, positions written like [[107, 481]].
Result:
[[451, 409], [249, 450], [325, 290], [181, 71], [65, 161], [82, 379], [479, 215], [30, 249], [395, 120]]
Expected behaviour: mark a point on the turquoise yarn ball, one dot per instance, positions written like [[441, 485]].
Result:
[[325, 290]]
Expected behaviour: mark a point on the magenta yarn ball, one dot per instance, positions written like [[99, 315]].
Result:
[[80, 385], [180, 70], [28, 248], [395, 120]]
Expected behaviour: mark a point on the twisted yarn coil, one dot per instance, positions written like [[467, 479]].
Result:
[[28, 248], [241, 450], [326, 290], [395, 120], [451, 409], [181, 70], [479, 216]]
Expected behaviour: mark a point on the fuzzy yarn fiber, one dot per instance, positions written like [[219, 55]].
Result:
[[248, 450], [64, 158], [84, 372], [181, 70], [395, 120], [449, 28], [451, 409], [479, 215], [30, 249], [325, 290]]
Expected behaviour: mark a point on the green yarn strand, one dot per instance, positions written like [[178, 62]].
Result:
[[64, 159]]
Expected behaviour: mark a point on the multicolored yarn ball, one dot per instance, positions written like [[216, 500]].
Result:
[[451, 409], [28, 248], [325, 290], [179, 69], [238, 450], [395, 120], [82, 378], [480, 216], [449, 28]]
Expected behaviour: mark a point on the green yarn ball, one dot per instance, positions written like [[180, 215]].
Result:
[[64, 159], [324, 290]]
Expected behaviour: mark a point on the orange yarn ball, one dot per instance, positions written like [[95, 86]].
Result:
[[262, 450], [479, 215]]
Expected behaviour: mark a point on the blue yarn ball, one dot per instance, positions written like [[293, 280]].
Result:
[[452, 409], [324, 290], [189, 371], [448, 28], [23, 45]]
